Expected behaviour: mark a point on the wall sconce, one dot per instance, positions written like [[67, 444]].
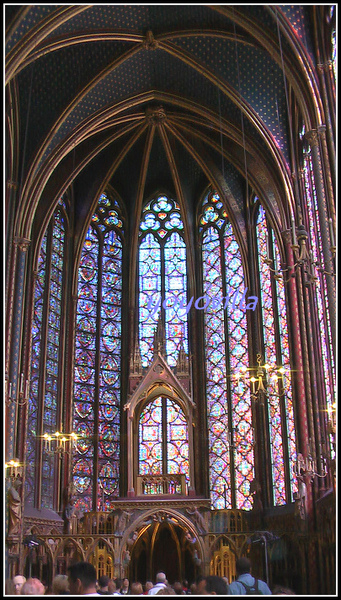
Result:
[[260, 379], [306, 467], [14, 470], [303, 257], [59, 443], [21, 397]]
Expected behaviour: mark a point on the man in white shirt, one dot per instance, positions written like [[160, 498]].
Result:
[[161, 582]]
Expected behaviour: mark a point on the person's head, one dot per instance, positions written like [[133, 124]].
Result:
[[60, 585], [33, 587], [178, 589], [136, 589], [82, 578], [161, 577], [125, 584], [103, 583], [193, 588], [118, 582], [211, 585], [18, 582], [166, 590], [148, 586], [243, 565], [279, 590], [112, 586]]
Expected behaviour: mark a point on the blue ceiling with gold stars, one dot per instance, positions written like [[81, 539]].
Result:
[[83, 78]]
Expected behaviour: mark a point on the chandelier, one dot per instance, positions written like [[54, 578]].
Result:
[[59, 443], [262, 379], [307, 468]]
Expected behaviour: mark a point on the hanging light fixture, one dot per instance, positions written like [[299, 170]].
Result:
[[59, 443], [261, 378], [20, 397]]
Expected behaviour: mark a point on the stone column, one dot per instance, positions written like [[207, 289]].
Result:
[[21, 246]]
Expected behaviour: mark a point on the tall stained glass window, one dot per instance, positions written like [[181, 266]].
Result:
[[163, 440], [320, 289], [280, 413], [162, 279], [229, 416], [97, 384], [43, 415]]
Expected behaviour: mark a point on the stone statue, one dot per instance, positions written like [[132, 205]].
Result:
[[69, 508], [14, 507], [300, 497], [255, 490], [122, 522], [198, 519]]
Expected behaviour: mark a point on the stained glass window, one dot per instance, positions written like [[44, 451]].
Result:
[[162, 279], [276, 355], [320, 289], [228, 406], [163, 440], [98, 361], [45, 373]]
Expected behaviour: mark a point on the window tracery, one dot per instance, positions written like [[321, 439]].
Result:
[[97, 385], [45, 359], [281, 423], [162, 279], [226, 347]]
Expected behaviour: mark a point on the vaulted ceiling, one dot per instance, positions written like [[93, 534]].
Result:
[[155, 96]]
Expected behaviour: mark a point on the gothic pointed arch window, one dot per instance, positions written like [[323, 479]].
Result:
[[163, 446], [279, 404], [162, 279], [231, 458], [319, 291], [97, 383], [45, 390]]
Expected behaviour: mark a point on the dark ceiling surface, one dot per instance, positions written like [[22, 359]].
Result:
[[153, 96]]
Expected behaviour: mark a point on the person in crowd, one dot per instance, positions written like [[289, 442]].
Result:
[[9, 587], [33, 587], [212, 585], [60, 585], [178, 588], [185, 586], [160, 582], [125, 587], [245, 581], [18, 582], [103, 585], [112, 589], [147, 586], [193, 588], [82, 579], [136, 589], [280, 590], [165, 591]]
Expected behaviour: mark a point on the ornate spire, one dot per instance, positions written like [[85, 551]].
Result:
[[136, 359], [182, 364], [159, 339]]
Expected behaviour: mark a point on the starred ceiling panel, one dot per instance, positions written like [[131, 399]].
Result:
[[216, 70]]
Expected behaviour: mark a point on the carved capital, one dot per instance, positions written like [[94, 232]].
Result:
[[22, 243], [12, 185], [325, 66], [312, 137]]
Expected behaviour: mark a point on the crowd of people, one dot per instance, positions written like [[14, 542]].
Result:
[[82, 580]]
